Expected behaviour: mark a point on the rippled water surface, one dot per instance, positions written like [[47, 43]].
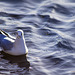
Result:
[[49, 27]]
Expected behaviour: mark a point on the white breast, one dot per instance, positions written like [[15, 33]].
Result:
[[19, 47]]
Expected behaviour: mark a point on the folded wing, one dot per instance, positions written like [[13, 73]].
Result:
[[7, 44], [6, 41]]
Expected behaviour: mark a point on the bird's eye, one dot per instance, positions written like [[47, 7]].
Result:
[[20, 34]]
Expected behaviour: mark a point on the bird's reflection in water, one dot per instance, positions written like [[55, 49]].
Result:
[[21, 60]]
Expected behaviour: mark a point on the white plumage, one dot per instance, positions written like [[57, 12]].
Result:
[[13, 46]]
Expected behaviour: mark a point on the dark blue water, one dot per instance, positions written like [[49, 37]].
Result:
[[49, 27]]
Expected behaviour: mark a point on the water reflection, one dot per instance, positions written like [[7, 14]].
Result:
[[20, 60]]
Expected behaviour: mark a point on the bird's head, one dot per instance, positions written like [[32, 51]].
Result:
[[20, 33]]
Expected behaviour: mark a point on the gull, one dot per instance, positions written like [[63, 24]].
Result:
[[13, 46]]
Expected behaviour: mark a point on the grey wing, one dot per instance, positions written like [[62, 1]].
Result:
[[6, 34], [6, 44]]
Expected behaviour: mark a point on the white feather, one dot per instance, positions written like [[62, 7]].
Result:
[[19, 46]]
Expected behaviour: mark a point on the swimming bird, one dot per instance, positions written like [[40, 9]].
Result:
[[13, 46]]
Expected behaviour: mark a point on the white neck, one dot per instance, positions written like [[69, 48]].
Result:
[[20, 46]]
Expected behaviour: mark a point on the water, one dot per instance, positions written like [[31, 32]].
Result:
[[49, 27]]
